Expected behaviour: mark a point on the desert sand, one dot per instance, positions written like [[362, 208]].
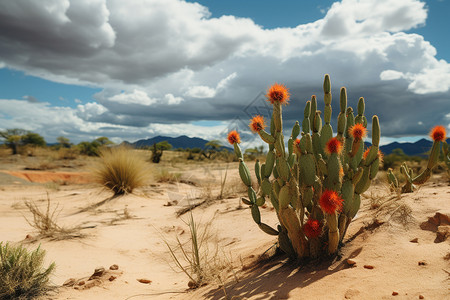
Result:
[[392, 242]]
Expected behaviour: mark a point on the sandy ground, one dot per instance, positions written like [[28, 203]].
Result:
[[129, 231]]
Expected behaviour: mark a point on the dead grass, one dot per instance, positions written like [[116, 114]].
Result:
[[163, 175], [45, 222], [390, 206], [201, 257], [121, 170]]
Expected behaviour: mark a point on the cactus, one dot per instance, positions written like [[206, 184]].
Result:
[[315, 184], [446, 158], [438, 136]]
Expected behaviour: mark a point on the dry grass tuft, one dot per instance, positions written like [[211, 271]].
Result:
[[165, 176], [121, 170], [199, 257], [22, 275], [390, 206], [45, 223]]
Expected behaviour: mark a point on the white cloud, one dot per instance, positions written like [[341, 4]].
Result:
[[135, 97], [201, 91], [172, 100], [391, 75]]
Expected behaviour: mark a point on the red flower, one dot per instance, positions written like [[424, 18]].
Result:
[[330, 202], [278, 93], [358, 131], [257, 123], [438, 133], [333, 146], [312, 228], [233, 137]]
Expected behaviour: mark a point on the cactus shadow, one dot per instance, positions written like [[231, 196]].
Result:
[[276, 278]]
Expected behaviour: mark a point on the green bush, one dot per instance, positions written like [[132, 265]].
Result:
[[21, 273]]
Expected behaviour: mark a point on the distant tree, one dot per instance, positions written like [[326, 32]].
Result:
[[211, 148], [63, 142], [103, 141], [164, 145], [18, 137], [31, 138]]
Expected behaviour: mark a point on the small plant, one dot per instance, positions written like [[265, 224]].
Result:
[[437, 134], [120, 170], [22, 275], [195, 258], [46, 225]]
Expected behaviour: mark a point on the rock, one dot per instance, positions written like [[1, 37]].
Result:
[[93, 283], [114, 267], [82, 282], [112, 278], [422, 263], [394, 293], [442, 233], [370, 267], [421, 297], [437, 220], [414, 240], [70, 282], [98, 272], [351, 293], [28, 237], [351, 262], [144, 280], [192, 285]]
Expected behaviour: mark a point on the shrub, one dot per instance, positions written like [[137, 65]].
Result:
[[120, 170], [22, 275]]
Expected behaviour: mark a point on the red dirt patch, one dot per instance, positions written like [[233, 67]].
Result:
[[58, 177]]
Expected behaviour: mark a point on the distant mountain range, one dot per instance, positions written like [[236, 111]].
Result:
[[417, 148], [178, 142]]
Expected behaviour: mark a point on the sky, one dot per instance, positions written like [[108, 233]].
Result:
[[136, 69]]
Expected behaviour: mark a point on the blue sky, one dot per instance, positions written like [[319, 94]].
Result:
[[136, 69]]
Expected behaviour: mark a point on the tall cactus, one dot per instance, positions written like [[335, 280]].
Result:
[[315, 185], [437, 134]]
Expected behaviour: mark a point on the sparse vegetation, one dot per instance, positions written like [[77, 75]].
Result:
[[163, 175], [196, 258], [45, 222], [120, 170], [22, 275]]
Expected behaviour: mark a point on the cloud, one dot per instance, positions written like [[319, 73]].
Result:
[[164, 62]]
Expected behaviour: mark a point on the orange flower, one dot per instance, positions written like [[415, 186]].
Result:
[[330, 202], [278, 93], [297, 144], [438, 133], [233, 137], [257, 123], [312, 228], [358, 131], [380, 154], [333, 146]]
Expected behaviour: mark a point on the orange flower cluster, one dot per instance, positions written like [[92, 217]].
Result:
[[438, 133], [330, 202], [233, 137], [333, 146], [278, 93], [358, 131], [257, 123]]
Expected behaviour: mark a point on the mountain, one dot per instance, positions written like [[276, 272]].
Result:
[[417, 148], [178, 142]]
